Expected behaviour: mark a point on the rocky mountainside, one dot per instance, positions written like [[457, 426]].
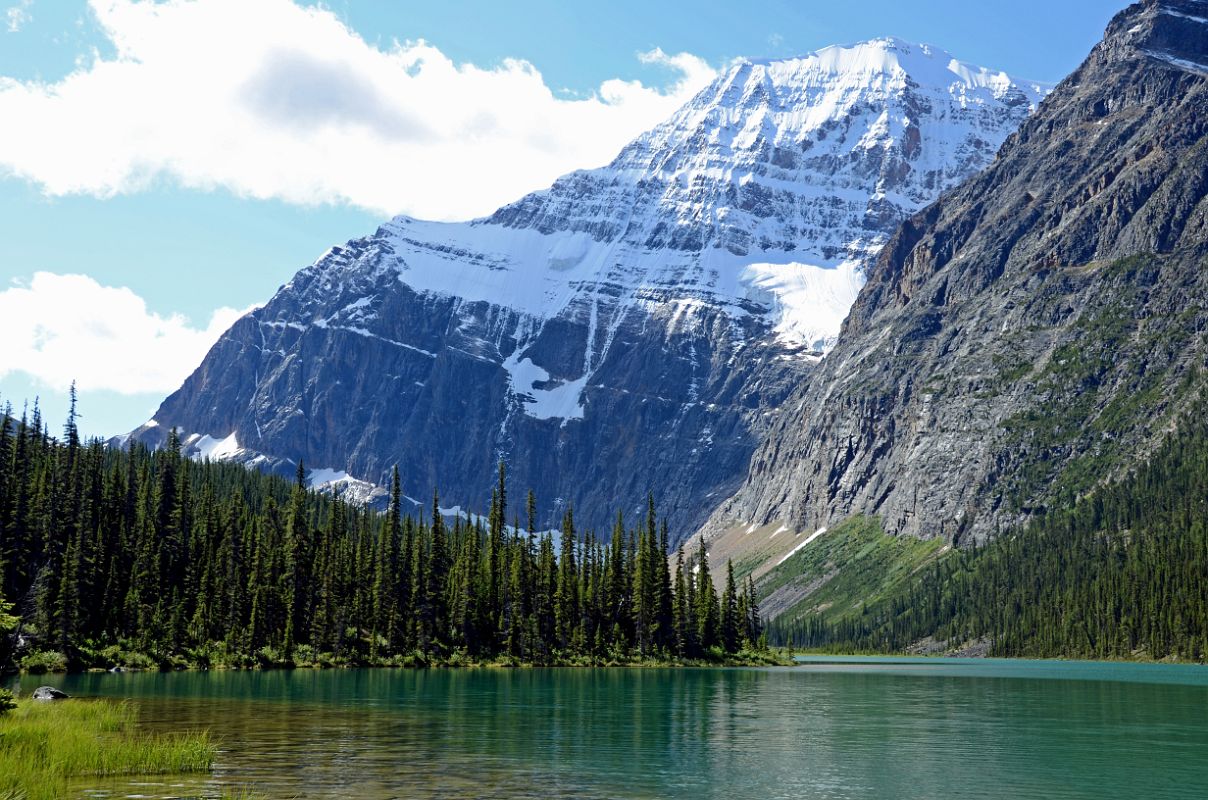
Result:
[[1033, 332], [630, 328]]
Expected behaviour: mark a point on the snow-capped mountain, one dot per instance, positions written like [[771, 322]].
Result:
[[625, 330]]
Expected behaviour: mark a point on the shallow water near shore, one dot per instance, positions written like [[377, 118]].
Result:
[[828, 728]]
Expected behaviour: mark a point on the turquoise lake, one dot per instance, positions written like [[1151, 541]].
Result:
[[828, 728]]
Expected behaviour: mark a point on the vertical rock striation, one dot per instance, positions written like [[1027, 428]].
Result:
[[1035, 330], [629, 329]]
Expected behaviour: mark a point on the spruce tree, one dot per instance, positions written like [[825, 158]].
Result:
[[708, 622], [731, 621], [297, 561], [683, 622], [753, 621], [566, 595]]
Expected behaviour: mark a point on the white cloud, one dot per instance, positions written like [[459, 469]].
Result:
[[62, 328], [272, 100], [16, 17]]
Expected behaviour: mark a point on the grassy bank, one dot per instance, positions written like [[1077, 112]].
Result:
[[44, 745]]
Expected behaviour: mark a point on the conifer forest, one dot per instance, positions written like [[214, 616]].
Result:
[[128, 557]]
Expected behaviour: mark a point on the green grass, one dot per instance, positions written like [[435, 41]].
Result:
[[852, 566], [45, 744]]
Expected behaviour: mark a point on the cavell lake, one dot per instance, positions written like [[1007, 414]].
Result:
[[829, 728]]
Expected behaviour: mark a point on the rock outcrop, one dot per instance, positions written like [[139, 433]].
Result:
[[629, 329], [1036, 330]]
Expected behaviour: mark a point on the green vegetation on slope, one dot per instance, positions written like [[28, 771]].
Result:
[[843, 571], [1124, 372], [45, 744], [148, 559], [1119, 574]]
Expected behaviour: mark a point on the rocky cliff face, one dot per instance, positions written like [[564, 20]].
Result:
[[632, 327], [1032, 332]]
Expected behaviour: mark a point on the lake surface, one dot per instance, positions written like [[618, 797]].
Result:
[[829, 728]]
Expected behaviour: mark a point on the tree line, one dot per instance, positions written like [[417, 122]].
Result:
[[1120, 573], [128, 555]]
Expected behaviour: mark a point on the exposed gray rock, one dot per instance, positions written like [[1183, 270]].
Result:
[[630, 329], [49, 693], [1037, 329]]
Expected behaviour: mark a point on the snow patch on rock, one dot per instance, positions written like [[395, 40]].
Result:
[[209, 448], [339, 482], [802, 544], [540, 396]]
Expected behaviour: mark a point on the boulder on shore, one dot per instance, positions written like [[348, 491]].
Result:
[[49, 693]]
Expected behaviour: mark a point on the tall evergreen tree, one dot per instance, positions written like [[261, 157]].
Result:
[[731, 622], [566, 595], [297, 562], [684, 622], [708, 622]]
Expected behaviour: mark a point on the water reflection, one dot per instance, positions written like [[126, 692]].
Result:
[[866, 732]]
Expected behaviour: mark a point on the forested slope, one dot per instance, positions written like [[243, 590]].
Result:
[[146, 558], [1121, 573]]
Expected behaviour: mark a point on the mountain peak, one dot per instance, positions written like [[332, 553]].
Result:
[[731, 168], [648, 311], [923, 63], [882, 44]]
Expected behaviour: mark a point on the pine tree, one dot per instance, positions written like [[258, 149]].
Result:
[[435, 615], [708, 622], [566, 595], [544, 597], [753, 622], [665, 635], [297, 559], [645, 585], [683, 621], [617, 593], [731, 621], [495, 570], [385, 574]]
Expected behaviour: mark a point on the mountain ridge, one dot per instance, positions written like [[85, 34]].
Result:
[[1033, 329], [652, 312]]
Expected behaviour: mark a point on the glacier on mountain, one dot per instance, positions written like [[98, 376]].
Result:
[[628, 327], [769, 193]]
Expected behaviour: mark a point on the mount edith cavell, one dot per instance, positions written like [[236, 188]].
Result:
[[630, 329], [1036, 329], [915, 348], [1023, 267], [845, 436]]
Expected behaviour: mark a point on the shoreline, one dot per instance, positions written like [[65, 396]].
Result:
[[770, 660], [958, 656], [773, 657], [797, 659]]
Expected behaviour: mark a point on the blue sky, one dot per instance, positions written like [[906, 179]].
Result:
[[182, 159]]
